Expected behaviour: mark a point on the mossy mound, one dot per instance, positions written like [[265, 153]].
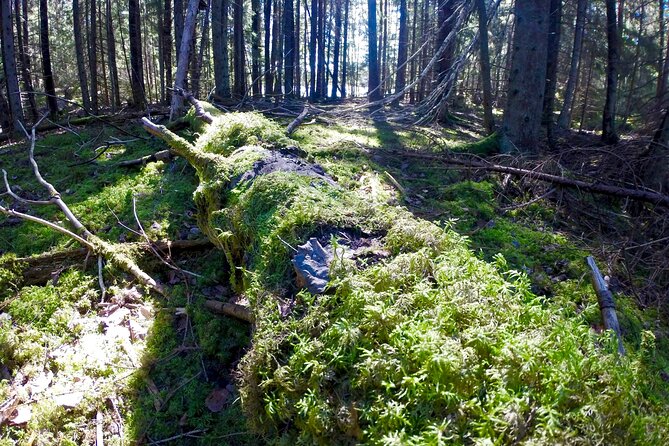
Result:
[[425, 345]]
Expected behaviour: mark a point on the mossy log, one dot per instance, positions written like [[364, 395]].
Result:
[[414, 341]]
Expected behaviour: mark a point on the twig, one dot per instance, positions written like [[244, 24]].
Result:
[[606, 303], [176, 437], [101, 279], [297, 121]]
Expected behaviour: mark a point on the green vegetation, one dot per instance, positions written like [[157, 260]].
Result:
[[479, 326]]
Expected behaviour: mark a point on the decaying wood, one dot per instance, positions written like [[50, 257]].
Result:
[[38, 269], [595, 186], [229, 309], [607, 305], [163, 155], [297, 121], [200, 112]]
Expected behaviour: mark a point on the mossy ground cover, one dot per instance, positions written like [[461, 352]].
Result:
[[475, 326]]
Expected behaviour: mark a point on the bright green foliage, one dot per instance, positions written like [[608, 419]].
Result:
[[430, 345]]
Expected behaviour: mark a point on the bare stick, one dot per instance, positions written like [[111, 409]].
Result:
[[101, 280], [200, 112], [606, 304], [297, 121], [229, 309], [55, 227]]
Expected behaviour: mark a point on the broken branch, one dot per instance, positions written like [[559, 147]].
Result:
[[607, 305]]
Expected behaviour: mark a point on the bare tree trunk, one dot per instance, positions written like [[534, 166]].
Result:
[[269, 76], [522, 115], [49, 86], [9, 64], [635, 66], [79, 50], [484, 55], [22, 40], [256, 74], [312, 48], [374, 81], [92, 54], [220, 13], [402, 52], [384, 49], [337, 38], [609, 134], [414, 48], [289, 47], [564, 120], [166, 49], [321, 90], [655, 160], [276, 51], [586, 93], [178, 25], [443, 65], [296, 70], [184, 57], [661, 78], [239, 88], [344, 68], [5, 113], [554, 25]]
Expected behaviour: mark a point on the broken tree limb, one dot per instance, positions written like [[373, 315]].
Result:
[[607, 305], [297, 121], [163, 155], [200, 112], [645, 195], [229, 309]]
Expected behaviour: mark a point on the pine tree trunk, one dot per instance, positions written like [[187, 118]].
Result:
[[444, 64], [296, 71], [635, 66], [178, 26], [320, 78], [5, 114], [22, 40], [9, 64], [204, 43], [239, 88], [554, 25], [373, 84], [414, 48], [661, 78], [219, 38], [344, 67], [484, 55], [337, 38], [402, 51], [525, 98], [313, 38], [609, 134], [45, 47], [184, 57], [136, 62], [564, 120], [275, 51], [656, 159], [79, 50], [269, 76], [256, 74], [92, 54], [289, 48], [166, 54]]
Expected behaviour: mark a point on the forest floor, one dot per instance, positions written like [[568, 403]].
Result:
[[136, 368]]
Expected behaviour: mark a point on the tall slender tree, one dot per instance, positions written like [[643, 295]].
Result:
[[256, 74], [344, 68], [609, 133], [239, 88], [484, 57], [288, 47], [183, 61], [136, 58], [569, 92], [313, 39], [45, 48], [554, 25], [166, 46], [269, 76], [219, 39], [527, 79], [374, 82], [79, 52], [335, 56], [9, 64], [92, 53], [402, 52], [21, 19]]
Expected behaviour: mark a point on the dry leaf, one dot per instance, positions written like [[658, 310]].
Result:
[[217, 400]]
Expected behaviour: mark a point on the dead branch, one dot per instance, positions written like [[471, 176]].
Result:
[[595, 186], [229, 309], [200, 112], [297, 121], [163, 155], [606, 303]]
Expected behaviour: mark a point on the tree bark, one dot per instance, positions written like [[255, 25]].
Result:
[[288, 48], [220, 11], [9, 64], [554, 25], [337, 38], [22, 40], [344, 68], [92, 54], [239, 88], [184, 58], [374, 81], [269, 76], [297, 89], [527, 78], [178, 25], [45, 47], [609, 133], [256, 74], [655, 160], [661, 77], [79, 50], [276, 53], [166, 47], [312, 48], [564, 120], [136, 59], [321, 90], [402, 52], [484, 57]]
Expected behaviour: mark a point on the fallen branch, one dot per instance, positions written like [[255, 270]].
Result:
[[163, 155], [648, 196], [297, 121], [606, 303], [200, 112], [229, 309]]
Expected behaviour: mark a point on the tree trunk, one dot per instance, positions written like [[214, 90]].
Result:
[[269, 76], [384, 47], [564, 120], [484, 56], [178, 25], [661, 78], [166, 47], [321, 90], [414, 48], [635, 66], [289, 47], [312, 48], [49, 86], [5, 114], [79, 50], [344, 68], [136, 62], [220, 11], [554, 24], [402, 52], [256, 74], [337, 38], [609, 134], [374, 81], [9, 64], [527, 78], [204, 43], [239, 88], [184, 57], [297, 90], [276, 51], [22, 40], [444, 64], [655, 160], [92, 54]]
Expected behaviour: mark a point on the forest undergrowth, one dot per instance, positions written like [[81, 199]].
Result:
[[470, 320]]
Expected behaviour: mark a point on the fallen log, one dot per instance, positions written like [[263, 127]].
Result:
[[593, 186], [607, 305], [230, 309], [297, 121]]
